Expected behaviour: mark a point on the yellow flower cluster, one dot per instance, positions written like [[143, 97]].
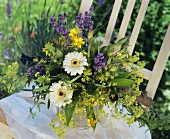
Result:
[[91, 122], [86, 75], [10, 77], [46, 49], [77, 40], [59, 125]]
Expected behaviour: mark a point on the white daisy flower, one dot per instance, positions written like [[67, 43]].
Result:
[[74, 63], [60, 94]]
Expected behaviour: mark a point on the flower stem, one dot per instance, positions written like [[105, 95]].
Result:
[[73, 80]]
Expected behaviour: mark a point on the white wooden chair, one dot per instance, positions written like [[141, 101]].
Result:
[[5, 131], [153, 76]]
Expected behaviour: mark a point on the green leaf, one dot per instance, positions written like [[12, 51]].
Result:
[[59, 54], [99, 47], [123, 75], [40, 80], [89, 51], [94, 117], [123, 82], [50, 48], [90, 34], [122, 41], [41, 88], [69, 110], [107, 49], [38, 105]]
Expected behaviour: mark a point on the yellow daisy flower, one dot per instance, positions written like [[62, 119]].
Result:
[[74, 33], [79, 42]]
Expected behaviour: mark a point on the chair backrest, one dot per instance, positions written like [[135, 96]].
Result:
[[153, 76]]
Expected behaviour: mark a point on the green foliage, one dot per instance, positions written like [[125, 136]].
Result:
[[69, 111], [121, 82], [10, 81], [41, 28], [149, 41], [29, 28], [155, 120]]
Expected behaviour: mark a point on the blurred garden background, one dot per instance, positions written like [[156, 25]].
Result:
[[25, 28]]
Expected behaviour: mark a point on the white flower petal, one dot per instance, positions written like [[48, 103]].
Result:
[[55, 98], [73, 70]]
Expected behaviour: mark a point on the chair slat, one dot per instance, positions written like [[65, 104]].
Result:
[[159, 65], [85, 6], [112, 22], [126, 19], [137, 25], [147, 73]]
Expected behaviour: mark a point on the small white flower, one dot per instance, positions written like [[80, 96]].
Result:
[[100, 39], [74, 63], [60, 94]]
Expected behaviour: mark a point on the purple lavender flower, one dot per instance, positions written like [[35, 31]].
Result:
[[62, 2], [101, 2], [67, 45], [61, 17], [6, 56], [36, 66], [1, 36], [8, 53], [99, 63], [10, 39], [9, 11], [40, 69], [60, 27], [91, 8], [30, 71], [85, 23], [52, 19]]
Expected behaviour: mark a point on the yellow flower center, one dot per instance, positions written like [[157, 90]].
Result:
[[75, 62], [61, 93]]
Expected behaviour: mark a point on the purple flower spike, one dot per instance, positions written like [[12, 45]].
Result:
[[1, 36], [36, 66], [67, 45], [40, 69], [91, 8], [30, 71], [101, 2], [61, 17], [60, 27], [85, 23], [6, 56], [62, 2], [52, 19], [99, 63], [9, 11]]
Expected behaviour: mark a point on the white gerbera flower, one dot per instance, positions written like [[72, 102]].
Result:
[[60, 94], [74, 63]]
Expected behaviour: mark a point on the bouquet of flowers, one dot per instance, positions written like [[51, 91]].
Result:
[[80, 76]]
